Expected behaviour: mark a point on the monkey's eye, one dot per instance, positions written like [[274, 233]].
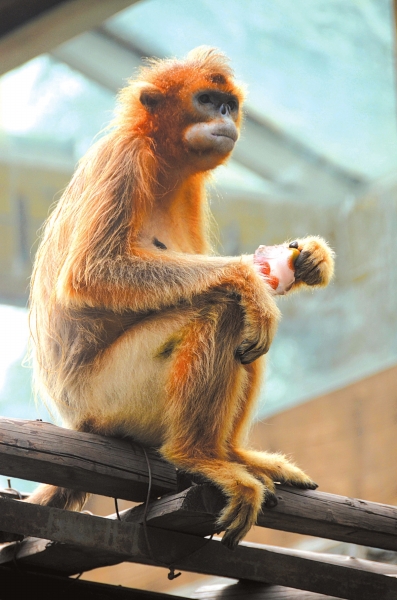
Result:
[[205, 99], [232, 104]]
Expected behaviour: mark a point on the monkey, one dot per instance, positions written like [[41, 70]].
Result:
[[139, 329]]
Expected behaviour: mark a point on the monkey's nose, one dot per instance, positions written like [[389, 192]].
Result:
[[225, 110]]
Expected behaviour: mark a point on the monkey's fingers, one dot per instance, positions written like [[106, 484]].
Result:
[[315, 264], [247, 352]]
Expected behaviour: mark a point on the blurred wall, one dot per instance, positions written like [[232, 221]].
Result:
[[32, 175]]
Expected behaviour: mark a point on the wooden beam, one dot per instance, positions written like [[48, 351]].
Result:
[[98, 57], [15, 13], [45, 453], [310, 513], [338, 576], [53, 27], [254, 591], [24, 584]]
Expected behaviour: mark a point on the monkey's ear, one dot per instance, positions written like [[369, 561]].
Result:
[[149, 95]]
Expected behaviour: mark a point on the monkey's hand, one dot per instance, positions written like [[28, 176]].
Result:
[[315, 264], [261, 317]]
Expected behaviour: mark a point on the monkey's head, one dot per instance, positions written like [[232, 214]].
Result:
[[190, 109]]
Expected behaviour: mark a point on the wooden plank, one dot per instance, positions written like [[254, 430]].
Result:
[[15, 13], [300, 511], [334, 517], [65, 559], [45, 453], [24, 584], [117, 468], [54, 26], [254, 591], [342, 577]]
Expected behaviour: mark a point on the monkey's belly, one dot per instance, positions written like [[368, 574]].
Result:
[[125, 394]]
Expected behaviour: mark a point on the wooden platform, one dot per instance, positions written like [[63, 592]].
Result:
[[60, 544]]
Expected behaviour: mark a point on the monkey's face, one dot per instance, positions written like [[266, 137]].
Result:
[[213, 137], [194, 122]]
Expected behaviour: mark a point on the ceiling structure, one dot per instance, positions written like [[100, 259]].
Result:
[[75, 32], [28, 29]]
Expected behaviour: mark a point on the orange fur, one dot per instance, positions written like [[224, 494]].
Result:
[[137, 329]]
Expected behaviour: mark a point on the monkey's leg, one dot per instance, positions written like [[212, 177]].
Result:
[[266, 466], [206, 384], [122, 396]]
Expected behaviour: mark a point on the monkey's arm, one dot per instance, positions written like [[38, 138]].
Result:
[[152, 281]]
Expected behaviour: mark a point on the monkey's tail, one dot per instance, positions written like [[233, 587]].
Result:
[[58, 497]]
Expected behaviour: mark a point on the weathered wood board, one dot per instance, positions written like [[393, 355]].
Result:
[[338, 576], [46, 453]]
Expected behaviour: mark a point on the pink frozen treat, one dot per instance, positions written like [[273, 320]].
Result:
[[276, 264]]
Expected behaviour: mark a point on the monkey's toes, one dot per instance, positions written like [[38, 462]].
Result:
[[236, 519], [304, 485], [239, 527], [270, 500], [230, 539]]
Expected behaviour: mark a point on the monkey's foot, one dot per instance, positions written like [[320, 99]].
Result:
[[315, 264], [241, 512], [269, 467], [303, 485]]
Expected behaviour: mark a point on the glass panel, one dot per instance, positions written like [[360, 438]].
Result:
[[45, 100], [322, 71]]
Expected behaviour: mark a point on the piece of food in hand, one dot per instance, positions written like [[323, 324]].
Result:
[[276, 265]]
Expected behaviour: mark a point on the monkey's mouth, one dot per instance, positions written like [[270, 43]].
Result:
[[223, 141], [231, 134], [223, 135], [212, 137]]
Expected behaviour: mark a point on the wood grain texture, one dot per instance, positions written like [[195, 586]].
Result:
[[338, 576], [118, 468], [307, 512], [253, 591], [22, 584], [45, 453]]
